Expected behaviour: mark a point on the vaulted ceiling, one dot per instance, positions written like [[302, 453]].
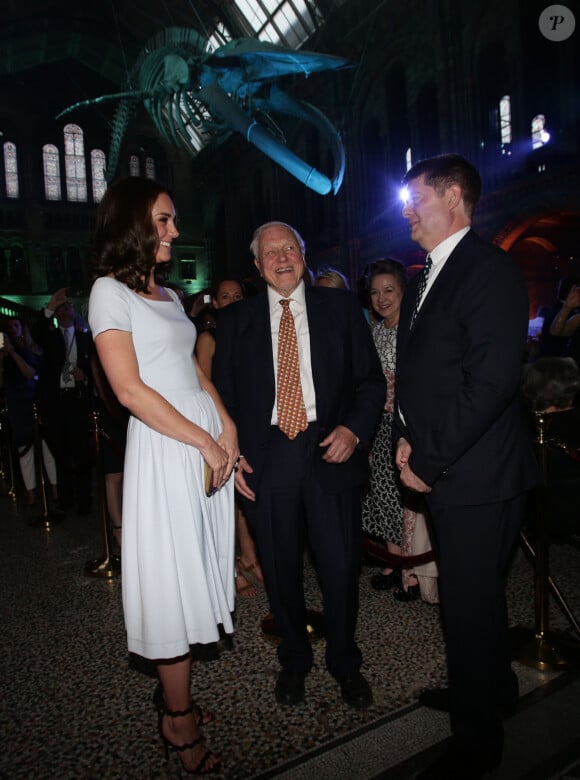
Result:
[[57, 52]]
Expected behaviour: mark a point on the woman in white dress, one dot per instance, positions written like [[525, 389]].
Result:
[[178, 543]]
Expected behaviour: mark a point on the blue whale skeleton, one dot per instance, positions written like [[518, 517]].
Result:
[[182, 86]]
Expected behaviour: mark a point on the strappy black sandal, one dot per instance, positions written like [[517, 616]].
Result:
[[202, 717], [201, 768]]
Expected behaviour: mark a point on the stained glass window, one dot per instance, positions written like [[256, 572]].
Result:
[[74, 164], [505, 119], [11, 170], [51, 163], [540, 136], [134, 166], [98, 164], [150, 168]]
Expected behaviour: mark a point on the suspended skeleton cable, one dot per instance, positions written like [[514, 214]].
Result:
[[355, 79], [168, 12], [202, 26], [121, 47]]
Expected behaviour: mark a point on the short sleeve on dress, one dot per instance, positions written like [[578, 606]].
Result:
[[109, 307]]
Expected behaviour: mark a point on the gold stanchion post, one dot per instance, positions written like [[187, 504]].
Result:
[[540, 647], [108, 566], [6, 472], [48, 514]]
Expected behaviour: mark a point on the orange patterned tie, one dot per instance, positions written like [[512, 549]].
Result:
[[290, 403]]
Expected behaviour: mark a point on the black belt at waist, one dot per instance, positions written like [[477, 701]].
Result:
[[76, 392]]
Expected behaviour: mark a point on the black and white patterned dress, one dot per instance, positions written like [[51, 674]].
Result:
[[382, 512]]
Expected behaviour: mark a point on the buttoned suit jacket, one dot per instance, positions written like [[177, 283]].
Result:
[[458, 376], [51, 341], [348, 380]]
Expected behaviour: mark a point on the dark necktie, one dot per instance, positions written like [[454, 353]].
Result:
[[421, 288], [290, 401]]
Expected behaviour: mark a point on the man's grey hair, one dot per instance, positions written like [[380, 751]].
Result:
[[258, 232]]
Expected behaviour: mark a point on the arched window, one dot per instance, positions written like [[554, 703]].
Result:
[[11, 170], [98, 164], [150, 168], [134, 166], [540, 136], [50, 159], [505, 119], [74, 164]]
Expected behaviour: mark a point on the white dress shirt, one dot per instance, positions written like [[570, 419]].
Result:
[[298, 309], [439, 257], [70, 360]]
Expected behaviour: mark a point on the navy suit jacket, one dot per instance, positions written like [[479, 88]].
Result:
[[348, 380], [52, 362], [458, 378]]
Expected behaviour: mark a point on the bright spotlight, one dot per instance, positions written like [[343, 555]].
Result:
[[404, 194]]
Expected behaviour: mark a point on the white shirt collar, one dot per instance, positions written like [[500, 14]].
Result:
[[444, 249], [298, 295]]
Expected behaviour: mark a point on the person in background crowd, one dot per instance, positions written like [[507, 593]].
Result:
[[21, 358], [65, 395], [566, 323], [330, 277], [247, 567], [113, 419], [388, 510], [551, 385]]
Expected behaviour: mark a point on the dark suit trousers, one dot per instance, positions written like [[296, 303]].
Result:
[[474, 546], [291, 508], [66, 425]]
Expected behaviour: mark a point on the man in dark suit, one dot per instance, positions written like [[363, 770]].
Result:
[[304, 485], [65, 399], [463, 442]]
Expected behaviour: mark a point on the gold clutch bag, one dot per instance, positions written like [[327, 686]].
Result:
[[210, 486]]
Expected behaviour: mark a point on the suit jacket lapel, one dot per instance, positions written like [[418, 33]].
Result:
[[262, 338], [318, 316], [451, 267]]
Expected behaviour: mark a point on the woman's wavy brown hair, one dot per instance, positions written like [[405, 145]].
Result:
[[126, 239]]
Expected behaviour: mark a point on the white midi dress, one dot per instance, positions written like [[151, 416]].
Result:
[[178, 544]]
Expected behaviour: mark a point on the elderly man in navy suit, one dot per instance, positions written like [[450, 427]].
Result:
[[463, 442], [302, 482]]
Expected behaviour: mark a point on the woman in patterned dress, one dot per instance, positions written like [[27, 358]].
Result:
[[384, 516]]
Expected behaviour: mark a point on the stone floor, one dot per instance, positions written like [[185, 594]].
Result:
[[72, 706]]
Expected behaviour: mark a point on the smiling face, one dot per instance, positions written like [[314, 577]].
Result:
[[386, 293], [163, 213], [14, 328], [432, 216], [280, 260], [228, 291]]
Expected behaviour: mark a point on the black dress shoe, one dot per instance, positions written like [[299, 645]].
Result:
[[382, 581], [356, 691], [438, 699], [411, 594], [289, 687], [456, 764]]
